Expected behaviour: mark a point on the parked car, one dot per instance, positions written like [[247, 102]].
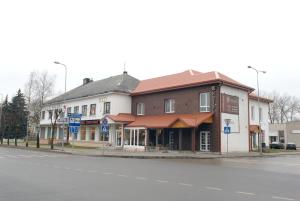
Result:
[[291, 146], [276, 145]]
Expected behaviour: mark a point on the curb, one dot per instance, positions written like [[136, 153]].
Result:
[[148, 156]]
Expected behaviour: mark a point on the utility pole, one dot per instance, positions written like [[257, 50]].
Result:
[[259, 115]]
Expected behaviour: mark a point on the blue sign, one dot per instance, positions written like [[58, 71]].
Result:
[[227, 130], [74, 122], [104, 126]]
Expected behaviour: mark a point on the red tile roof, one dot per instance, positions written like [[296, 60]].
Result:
[[185, 79], [162, 121]]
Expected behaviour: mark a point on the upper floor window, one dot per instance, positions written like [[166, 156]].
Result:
[[106, 108], [56, 113], [169, 106], [69, 110], [260, 112], [252, 113], [43, 114], [84, 110], [140, 109], [205, 102], [76, 109], [50, 114], [93, 109]]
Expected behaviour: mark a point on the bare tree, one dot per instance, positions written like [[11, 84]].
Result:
[[38, 88], [55, 111], [284, 107]]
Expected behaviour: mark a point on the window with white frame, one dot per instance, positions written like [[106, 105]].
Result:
[[76, 109], [43, 114], [205, 102], [252, 113], [106, 108], [169, 106], [84, 110], [93, 109], [50, 114], [140, 109]]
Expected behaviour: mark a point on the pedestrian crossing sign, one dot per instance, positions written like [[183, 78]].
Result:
[[226, 130]]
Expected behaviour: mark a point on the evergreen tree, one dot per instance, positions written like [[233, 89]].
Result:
[[6, 123], [18, 117]]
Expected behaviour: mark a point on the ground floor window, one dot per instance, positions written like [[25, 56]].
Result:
[[42, 136], [135, 137], [49, 134], [104, 136], [273, 139]]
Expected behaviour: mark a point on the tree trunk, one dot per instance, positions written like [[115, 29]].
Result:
[[16, 141], [52, 138], [8, 141], [38, 141], [68, 134]]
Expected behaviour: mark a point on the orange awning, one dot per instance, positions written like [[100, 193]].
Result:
[[172, 120], [254, 128]]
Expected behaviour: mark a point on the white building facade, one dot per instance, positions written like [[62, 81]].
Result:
[[94, 101]]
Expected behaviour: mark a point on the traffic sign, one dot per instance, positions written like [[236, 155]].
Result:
[[74, 122], [104, 126], [227, 130]]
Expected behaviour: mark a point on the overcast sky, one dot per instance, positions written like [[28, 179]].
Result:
[[154, 38]]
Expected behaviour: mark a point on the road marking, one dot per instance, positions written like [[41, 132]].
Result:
[[67, 168], [161, 181], [184, 184], [123, 175], [107, 173], [213, 188], [78, 169], [141, 178], [282, 198], [245, 193], [57, 167]]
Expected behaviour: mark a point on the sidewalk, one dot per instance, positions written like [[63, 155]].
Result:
[[109, 152]]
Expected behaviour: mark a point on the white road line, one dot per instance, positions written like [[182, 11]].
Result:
[[184, 184], [57, 167], [141, 178], [282, 198], [161, 181], [78, 169], [123, 175], [67, 168], [213, 188], [245, 193], [107, 173]]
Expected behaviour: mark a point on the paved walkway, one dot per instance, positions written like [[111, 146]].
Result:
[[98, 152]]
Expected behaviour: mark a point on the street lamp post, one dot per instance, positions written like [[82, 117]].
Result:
[[64, 100], [258, 102], [1, 105]]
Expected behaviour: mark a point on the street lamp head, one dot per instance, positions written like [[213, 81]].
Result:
[[264, 71], [56, 62], [249, 67]]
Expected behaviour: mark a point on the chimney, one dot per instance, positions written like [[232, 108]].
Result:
[[87, 80], [125, 72]]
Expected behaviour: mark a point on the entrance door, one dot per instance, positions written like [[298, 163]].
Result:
[[204, 141], [118, 138]]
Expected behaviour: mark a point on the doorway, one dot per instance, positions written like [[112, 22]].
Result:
[[204, 141]]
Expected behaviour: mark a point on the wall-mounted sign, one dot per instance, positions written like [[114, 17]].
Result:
[[230, 104], [90, 122]]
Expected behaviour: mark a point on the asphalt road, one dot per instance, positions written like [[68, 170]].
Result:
[[38, 176]]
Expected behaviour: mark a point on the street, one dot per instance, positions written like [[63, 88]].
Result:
[[40, 176]]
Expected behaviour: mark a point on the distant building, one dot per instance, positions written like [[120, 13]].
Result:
[[94, 100], [285, 133]]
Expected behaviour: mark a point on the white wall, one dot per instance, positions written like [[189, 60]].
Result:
[[119, 103], [239, 139], [265, 119]]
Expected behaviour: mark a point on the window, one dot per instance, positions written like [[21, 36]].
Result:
[[76, 109], [56, 113], [84, 110], [169, 106], [260, 114], [69, 110], [252, 113], [205, 102], [106, 108], [140, 109], [93, 109], [92, 132], [43, 114], [50, 114]]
